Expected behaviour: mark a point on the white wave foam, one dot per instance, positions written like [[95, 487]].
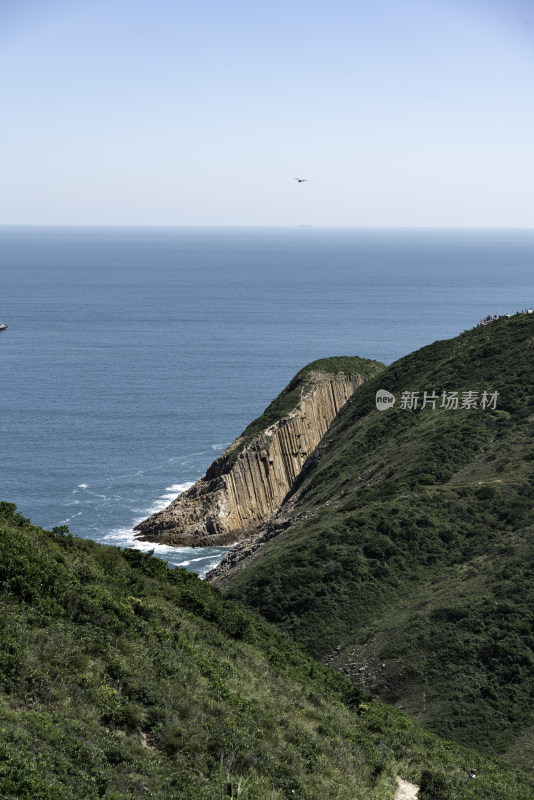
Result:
[[178, 488], [64, 521], [112, 479], [211, 560], [171, 493], [184, 557], [202, 574], [192, 561], [125, 537]]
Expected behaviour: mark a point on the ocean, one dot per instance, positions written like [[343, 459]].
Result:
[[134, 356]]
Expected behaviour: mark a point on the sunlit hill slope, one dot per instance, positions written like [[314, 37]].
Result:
[[121, 678], [405, 553]]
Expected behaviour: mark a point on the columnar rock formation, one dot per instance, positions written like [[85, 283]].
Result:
[[241, 492]]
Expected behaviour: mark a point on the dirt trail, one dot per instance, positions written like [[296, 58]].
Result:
[[405, 790]]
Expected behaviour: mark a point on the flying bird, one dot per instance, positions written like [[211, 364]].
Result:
[[301, 180]]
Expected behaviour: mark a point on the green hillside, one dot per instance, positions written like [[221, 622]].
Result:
[[121, 678], [413, 572]]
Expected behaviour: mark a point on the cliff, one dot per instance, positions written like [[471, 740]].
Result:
[[404, 556], [247, 485]]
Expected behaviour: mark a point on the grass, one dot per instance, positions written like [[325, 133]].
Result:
[[122, 678], [417, 548]]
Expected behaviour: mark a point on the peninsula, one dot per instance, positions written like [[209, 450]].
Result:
[[246, 486]]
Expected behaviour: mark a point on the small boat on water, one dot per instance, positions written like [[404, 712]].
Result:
[[3, 326]]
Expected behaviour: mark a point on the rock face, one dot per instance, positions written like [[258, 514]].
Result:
[[241, 492]]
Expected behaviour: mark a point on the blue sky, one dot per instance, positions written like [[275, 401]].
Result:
[[399, 113]]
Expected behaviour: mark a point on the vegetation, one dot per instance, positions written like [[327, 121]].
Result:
[[412, 570], [121, 678]]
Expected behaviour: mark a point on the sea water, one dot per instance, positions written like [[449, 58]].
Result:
[[134, 356]]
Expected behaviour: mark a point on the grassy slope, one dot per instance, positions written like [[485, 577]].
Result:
[[121, 678], [418, 551]]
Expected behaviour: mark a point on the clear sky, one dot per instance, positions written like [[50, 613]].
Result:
[[398, 112]]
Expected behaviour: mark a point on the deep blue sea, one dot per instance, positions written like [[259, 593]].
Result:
[[133, 356]]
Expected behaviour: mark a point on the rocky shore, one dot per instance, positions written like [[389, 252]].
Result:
[[244, 488]]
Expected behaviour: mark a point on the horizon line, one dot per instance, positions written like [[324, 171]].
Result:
[[266, 227]]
